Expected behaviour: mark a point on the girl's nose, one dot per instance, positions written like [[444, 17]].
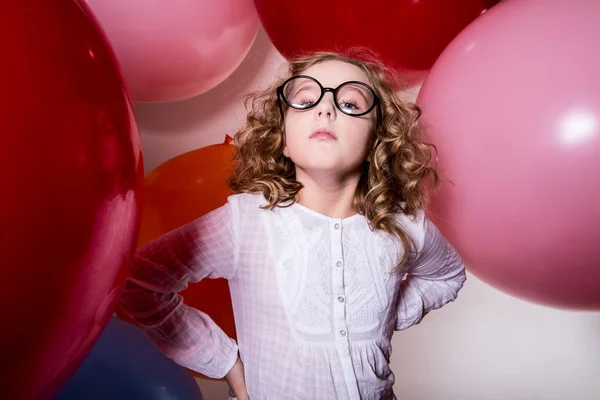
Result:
[[326, 106]]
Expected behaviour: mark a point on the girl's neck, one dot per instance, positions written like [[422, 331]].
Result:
[[331, 197]]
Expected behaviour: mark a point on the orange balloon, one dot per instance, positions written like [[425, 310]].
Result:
[[185, 188], [179, 191]]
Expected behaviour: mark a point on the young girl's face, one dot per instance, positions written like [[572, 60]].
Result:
[[322, 138]]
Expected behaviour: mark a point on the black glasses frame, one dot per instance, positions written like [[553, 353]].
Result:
[[334, 91]]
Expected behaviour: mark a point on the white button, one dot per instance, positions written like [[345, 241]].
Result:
[[337, 226], [341, 299], [338, 264], [343, 332]]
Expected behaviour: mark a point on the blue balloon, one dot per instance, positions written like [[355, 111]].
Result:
[[126, 364]]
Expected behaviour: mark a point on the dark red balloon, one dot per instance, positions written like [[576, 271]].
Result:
[[490, 3], [407, 34], [70, 162]]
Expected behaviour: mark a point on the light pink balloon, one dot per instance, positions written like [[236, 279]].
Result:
[[176, 49], [513, 105]]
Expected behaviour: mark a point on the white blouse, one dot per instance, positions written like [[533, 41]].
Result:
[[315, 299]]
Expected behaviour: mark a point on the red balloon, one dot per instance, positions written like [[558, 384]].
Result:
[[407, 34], [490, 3], [70, 163]]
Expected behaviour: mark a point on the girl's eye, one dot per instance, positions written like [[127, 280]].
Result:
[[349, 105], [306, 102]]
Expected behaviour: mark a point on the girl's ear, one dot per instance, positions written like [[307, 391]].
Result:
[[286, 153]]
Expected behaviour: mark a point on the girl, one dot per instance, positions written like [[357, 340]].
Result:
[[327, 220]]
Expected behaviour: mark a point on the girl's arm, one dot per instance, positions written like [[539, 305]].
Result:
[[204, 248], [433, 279]]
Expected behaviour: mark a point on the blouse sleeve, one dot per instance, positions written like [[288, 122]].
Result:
[[204, 248], [433, 279]]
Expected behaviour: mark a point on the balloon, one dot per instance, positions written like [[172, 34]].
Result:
[[513, 105], [176, 49], [69, 156], [195, 181], [179, 191], [407, 34], [126, 364], [490, 3]]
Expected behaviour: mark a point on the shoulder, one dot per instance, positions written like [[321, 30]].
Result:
[[244, 203], [414, 226]]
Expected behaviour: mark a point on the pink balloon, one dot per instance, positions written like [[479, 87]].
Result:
[[513, 105], [176, 49]]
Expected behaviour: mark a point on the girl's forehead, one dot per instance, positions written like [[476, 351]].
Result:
[[333, 73]]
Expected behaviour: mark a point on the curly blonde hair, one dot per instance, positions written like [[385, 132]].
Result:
[[397, 179]]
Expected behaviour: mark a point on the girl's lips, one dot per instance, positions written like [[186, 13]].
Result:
[[323, 134]]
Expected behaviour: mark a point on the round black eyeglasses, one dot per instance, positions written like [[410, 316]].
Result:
[[304, 92]]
